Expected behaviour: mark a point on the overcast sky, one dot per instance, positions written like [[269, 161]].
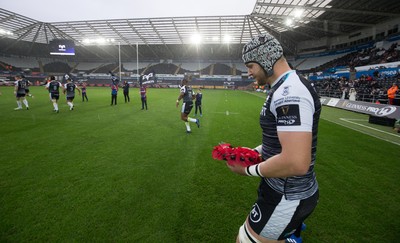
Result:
[[75, 10]]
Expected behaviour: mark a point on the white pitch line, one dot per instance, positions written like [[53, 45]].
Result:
[[354, 119], [361, 131], [227, 113], [361, 125]]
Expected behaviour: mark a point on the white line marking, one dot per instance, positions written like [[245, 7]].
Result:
[[361, 131], [227, 113], [354, 119], [257, 94], [361, 125]]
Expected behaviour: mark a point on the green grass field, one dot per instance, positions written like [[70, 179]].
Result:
[[104, 173]]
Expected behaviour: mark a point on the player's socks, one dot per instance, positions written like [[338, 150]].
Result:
[[191, 119], [71, 106], [187, 127], [26, 103]]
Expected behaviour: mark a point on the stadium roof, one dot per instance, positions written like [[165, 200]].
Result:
[[291, 21]]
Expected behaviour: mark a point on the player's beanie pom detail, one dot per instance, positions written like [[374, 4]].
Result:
[[264, 50]]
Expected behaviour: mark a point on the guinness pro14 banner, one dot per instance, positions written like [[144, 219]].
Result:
[[380, 110]]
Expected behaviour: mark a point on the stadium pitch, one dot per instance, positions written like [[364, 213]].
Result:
[[119, 173]]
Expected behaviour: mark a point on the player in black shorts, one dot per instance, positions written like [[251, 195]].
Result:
[[19, 92], [197, 103], [187, 95], [28, 84], [126, 92], [54, 88], [288, 191], [69, 89]]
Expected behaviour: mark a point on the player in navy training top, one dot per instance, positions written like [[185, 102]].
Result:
[[197, 103], [126, 92]]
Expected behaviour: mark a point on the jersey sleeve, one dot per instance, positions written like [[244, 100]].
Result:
[[183, 89], [293, 108]]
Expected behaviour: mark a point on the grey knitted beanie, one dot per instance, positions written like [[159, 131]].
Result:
[[264, 50]]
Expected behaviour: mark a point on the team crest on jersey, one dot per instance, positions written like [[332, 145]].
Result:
[[285, 90], [255, 214]]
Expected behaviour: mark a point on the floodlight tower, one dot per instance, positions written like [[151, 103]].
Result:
[[137, 61], [119, 60]]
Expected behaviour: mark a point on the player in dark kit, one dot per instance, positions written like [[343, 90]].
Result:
[[197, 103], [186, 93], [69, 88], [126, 92], [288, 191], [19, 92], [54, 88], [28, 83]]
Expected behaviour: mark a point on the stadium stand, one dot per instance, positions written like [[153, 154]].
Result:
[[310, 63]]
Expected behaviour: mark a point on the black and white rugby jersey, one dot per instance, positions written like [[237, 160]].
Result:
[[291, 105], [188, 93], [70, 88]]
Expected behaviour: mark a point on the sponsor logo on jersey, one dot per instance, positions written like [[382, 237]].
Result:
[[255, 214], [288, 115]]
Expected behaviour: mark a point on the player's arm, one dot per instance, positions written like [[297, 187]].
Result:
[[76, 87], [179, 98], [63, 88], [294, 159]]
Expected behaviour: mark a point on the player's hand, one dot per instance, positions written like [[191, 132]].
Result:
[[237, 168]]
